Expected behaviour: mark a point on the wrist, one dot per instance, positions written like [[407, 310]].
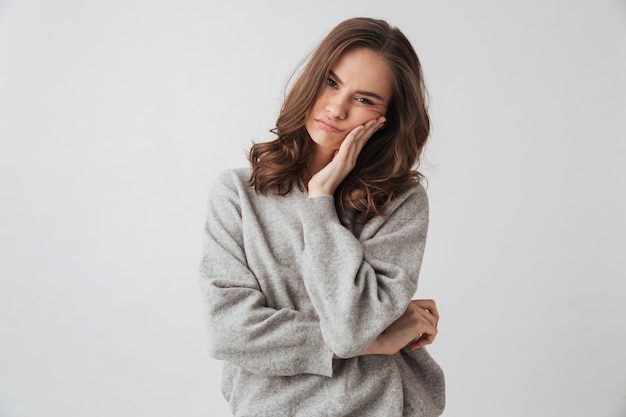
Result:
[[318, 193], [318, 190], [372, 349]]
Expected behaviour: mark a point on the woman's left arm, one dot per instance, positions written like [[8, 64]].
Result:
[[359, 286]]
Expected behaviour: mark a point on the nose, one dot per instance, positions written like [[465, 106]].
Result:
[[336, 107]]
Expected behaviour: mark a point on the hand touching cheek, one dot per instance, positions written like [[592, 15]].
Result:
[[326, 180]]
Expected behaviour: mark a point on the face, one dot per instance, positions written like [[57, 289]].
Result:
[[356, 90]]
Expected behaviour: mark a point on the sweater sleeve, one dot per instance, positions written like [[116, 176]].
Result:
[[241, 328], [359, 286]]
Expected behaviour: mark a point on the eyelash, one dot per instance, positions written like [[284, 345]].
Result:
[[333, 84]]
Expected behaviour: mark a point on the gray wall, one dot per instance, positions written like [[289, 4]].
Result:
[[116, 116]]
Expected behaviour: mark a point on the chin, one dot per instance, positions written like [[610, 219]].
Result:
[[324, 140]]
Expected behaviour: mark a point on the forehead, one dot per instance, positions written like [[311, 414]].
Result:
[[364, 69]]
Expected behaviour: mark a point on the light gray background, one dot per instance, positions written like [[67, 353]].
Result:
[[115, 117]]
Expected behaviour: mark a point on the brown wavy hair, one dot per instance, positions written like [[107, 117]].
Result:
[[387, 164]]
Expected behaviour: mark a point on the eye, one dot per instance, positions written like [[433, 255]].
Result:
[[365, 101], [332, 83]]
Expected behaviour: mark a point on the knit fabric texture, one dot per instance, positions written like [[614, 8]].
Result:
[[285, 285]]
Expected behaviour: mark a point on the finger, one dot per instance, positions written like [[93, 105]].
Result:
[[373, 126], [365, 131], [428, 305], [421, 314], [433, 316], [419, 343], [424, 339], [354, 142], [428, 317]]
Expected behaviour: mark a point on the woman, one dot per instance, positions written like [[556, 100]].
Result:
[[312, 254]]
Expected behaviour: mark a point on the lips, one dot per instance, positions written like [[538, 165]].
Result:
[[328, 126]]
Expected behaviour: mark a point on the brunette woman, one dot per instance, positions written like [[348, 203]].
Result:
[[312, 253]]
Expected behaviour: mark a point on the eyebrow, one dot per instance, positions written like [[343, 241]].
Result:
[[363, 93]]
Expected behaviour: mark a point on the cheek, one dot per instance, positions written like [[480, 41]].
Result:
[[364, 115], [314, 109]]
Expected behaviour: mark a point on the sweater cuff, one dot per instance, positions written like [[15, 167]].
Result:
[[323, 360], [317, 207]]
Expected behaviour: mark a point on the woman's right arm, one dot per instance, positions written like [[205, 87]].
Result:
[[241, 329]]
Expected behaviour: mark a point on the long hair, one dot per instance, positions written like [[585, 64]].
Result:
[[388, 162]]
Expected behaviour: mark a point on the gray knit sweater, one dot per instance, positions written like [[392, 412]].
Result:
[[285, 285]]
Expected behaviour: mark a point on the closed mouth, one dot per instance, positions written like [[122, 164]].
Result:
[[328, 126]]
